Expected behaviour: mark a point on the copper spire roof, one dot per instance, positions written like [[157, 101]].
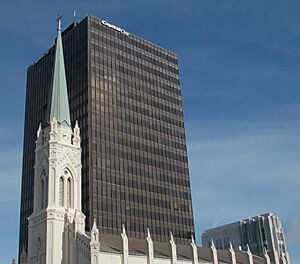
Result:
[[58, 105]]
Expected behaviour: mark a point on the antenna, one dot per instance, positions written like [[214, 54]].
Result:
[[74, 15]]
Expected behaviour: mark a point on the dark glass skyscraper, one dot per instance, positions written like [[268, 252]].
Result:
[[125, 93]]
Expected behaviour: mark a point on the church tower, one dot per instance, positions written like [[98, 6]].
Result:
[[57, 212]]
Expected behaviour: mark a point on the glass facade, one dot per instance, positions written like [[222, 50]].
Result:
[[125, 93]]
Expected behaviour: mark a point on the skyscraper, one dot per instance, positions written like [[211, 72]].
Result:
[[124, 92]]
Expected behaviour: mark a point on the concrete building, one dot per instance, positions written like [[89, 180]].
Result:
[[125, 93], [259, 233], [56, 231]]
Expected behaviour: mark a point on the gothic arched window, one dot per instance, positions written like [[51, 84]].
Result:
[[69, 192], [39, 248], [43, 191], [61, 191], [43, 194], [46, 192]]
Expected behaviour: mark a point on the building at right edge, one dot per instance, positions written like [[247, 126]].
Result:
[[259, 233]]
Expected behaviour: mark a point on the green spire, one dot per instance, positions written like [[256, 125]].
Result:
[[58, 105]]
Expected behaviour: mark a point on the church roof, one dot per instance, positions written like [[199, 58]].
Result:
[[58, 104], [113, 244]]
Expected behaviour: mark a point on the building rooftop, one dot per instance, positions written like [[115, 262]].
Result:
[[113, 244], [234, 224]]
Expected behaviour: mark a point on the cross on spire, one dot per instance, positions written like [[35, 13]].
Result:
[[59, 22]]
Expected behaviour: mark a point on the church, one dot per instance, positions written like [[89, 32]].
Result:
[[56, 230]]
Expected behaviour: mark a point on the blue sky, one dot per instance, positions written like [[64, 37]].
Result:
[[239, 64]]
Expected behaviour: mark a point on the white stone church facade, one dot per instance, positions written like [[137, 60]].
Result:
[[56, 231]]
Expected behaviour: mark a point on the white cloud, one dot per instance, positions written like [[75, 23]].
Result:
[[237, 174]]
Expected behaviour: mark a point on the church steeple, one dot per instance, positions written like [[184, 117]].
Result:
[[58, 105], [57, 215]]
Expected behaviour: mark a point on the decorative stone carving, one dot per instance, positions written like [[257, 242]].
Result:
[[232, 252], [173, 249], [214, 251], [95, 244], [267, 258], [283, 259], [150, 248], [53, 132], [250, 256], [195, 252], [39, 131], [76, 133], [23, 256], [125, 246]]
